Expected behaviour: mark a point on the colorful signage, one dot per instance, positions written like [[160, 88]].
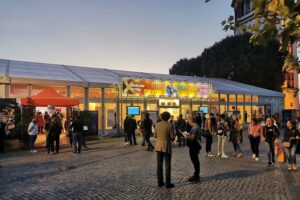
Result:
[[138, 87]]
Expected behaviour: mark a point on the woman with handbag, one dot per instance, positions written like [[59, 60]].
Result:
[[290, 137], [271, 133]]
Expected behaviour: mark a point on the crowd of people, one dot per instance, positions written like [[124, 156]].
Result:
[[53, 127], [228, 129]]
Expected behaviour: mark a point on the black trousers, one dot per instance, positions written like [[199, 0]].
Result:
[[131, 135], [254, 142], [195, 160], [1, 143], [52, 139], [147, 138], [161, 156], [209, 141]]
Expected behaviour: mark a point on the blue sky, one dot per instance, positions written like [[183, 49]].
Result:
[[137, 35]]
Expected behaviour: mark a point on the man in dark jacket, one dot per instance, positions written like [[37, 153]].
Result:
[[2, 135], [180, 127], [147, 125], [131, 127], [77, 127]]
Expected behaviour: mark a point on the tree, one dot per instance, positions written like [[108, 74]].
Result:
[[236, 59], [273, 19]]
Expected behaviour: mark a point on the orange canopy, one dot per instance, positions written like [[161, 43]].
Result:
[[49, 97]]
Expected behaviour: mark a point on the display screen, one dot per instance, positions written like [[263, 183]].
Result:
[[204, 109], [133, 110]]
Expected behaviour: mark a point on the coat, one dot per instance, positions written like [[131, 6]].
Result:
[[165, 135]]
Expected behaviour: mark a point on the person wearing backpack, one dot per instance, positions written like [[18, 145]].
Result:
[[32, 132], [222, 128]]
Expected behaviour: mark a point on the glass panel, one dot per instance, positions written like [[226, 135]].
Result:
[[214, 97], [77, 92], [223, 98], [16, 90], [240, 98], [223, 109], [111, 93], [248, 114], [95, 93], [185, 110], [196, 107], [248, 98], [232, 98], [241, 116], [254, 99], [214, 109], [151, 107]]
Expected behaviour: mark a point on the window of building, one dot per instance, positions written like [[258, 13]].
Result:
[[245, 7], [240, 98], [232, 98], [290, 79], [223, 98]]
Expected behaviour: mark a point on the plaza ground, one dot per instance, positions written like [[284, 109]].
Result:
[[110, 170]]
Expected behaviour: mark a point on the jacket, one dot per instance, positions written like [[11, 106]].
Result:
[[165, 135], [289, 133], [131, 125]]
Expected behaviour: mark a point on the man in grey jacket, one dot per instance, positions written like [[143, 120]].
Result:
[[165, 135]]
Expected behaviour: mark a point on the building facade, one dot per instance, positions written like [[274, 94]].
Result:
[[244, 15], [110, 93]]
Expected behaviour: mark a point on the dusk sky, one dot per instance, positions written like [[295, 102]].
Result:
[[136, 35]]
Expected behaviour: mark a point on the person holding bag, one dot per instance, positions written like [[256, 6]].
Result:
[[290, 138], [271, 133]]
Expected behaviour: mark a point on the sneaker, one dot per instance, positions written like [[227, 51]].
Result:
[[224, 156], [206, 154], [294, 167], [34, 151], [170, 185], [257, 159], [74, 154], [239, 155], [194, 179], [219, 154], [253, 156], [210, 154]]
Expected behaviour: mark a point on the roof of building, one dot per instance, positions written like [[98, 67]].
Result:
[[100, 76]]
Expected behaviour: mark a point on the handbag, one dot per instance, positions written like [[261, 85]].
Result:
[[286, 144]]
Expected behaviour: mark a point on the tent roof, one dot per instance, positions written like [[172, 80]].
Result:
[[50, 97], [96, 77]]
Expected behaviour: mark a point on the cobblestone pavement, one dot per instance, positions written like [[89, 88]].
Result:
[[110, 170]]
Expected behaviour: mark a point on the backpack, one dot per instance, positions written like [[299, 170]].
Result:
[[221, 129]]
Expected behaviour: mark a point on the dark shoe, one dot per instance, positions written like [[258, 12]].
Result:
[[135, 143], [161, 184], [194, 179], [269, 164], [170, 185]]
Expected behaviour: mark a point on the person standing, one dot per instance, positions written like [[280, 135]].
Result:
[[2, 135], [165, 135], [147, 126], [180, 127], [255, 132], [290, 139], [40, 122], [32, 132], [235, 136], [131, 127], [77, 127], [125, 131], [209, 134], [270, 133], [222, 128], [194, 148], [54, 134], [47, 120]]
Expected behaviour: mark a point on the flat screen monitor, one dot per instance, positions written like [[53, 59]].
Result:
[[133, 110], [204, 109]]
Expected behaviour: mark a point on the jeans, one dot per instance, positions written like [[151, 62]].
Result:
[[131, 135], [236, 147], [52, 139], [221, 144], [195, 160], [271, 152], [254, 142], [32, 141], [290, 154], [147, 138], [77, 139], [161, 156], [209, 141]]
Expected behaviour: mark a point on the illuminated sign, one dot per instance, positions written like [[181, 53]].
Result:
[[138, 87]]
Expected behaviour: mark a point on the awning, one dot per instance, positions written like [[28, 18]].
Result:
[[49, 97]]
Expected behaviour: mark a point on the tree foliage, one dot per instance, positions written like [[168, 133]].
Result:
[[236, 59]]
